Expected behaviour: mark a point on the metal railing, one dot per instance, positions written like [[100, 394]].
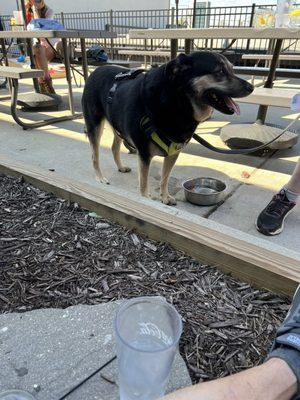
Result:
[[213, 17]]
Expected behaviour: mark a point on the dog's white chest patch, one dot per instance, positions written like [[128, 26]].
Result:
[[201, 113]]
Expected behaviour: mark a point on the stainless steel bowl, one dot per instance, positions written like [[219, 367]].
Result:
[[204, 191]]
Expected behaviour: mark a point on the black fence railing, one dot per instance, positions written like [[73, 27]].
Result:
[[203, 17]]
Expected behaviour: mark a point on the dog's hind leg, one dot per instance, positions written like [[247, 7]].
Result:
[[143, 176], [168, 165], [116, 153], [94, 139]]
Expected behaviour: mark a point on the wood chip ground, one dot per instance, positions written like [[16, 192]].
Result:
[[55, 254]]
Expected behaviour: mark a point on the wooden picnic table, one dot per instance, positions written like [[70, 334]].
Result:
[[277, 34], [63, 35]]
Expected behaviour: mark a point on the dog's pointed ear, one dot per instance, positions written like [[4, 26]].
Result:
[[180, 64]]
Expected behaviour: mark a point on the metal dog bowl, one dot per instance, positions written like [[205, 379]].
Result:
[[204, 191]]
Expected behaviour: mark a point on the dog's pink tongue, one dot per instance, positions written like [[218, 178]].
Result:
[[232, 104]]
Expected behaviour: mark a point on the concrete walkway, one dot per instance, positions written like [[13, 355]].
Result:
[[64, 149], [47, 352]]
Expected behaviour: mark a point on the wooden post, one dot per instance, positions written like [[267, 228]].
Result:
[[174, 48], [84, 59], [262, 111], [187, 46], [68, 73]]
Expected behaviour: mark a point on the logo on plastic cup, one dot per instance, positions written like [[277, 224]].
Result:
[[150, 329]]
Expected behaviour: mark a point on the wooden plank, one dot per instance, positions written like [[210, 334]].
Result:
[[26, 34], [72, 34], [264, 71], [215, 33], [275, 97], [250, 259], [287, 57], [20, 73], [94, 34], [120, 63]]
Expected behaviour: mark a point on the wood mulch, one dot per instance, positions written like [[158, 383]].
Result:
[[55, 254]]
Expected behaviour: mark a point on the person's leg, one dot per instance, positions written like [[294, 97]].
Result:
[[271, 220], [273, 380], [42, 56], [294, 183]]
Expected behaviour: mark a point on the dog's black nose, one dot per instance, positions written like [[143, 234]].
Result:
[[249, 88]]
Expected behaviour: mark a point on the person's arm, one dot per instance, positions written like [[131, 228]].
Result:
[[273, 380], [35, 13], [49, 14]]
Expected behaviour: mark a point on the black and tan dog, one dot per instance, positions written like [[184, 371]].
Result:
[[158, 111]]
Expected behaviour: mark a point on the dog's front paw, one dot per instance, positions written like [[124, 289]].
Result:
[[168, 200], [102, 180], [124, 169]]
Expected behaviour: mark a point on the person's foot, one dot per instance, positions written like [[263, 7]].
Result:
[[46, 86], [286, 345], [271, 220]]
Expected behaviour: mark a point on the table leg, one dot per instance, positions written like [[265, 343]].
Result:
[[174, 48], [187, 46], [68, 74], [37, 124], [32, 64], [4, 52], [262, 111], [84, 59]]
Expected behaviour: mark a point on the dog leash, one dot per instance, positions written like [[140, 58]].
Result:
[[87, 378], [242, 151]]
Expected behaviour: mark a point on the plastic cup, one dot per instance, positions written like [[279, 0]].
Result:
[[16, 395], [147, 331]]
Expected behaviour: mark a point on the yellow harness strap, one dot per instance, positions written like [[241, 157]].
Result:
[[168, 147]]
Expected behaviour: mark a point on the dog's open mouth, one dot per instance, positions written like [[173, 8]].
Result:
[[221, 102]]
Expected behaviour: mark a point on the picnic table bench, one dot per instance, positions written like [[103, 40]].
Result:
[[13, 75], [64, 35], [275, 97], [263, 71], [146, 54], [268, 57]]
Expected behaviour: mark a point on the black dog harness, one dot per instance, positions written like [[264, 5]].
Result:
[[168, 147], [131, 74]]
